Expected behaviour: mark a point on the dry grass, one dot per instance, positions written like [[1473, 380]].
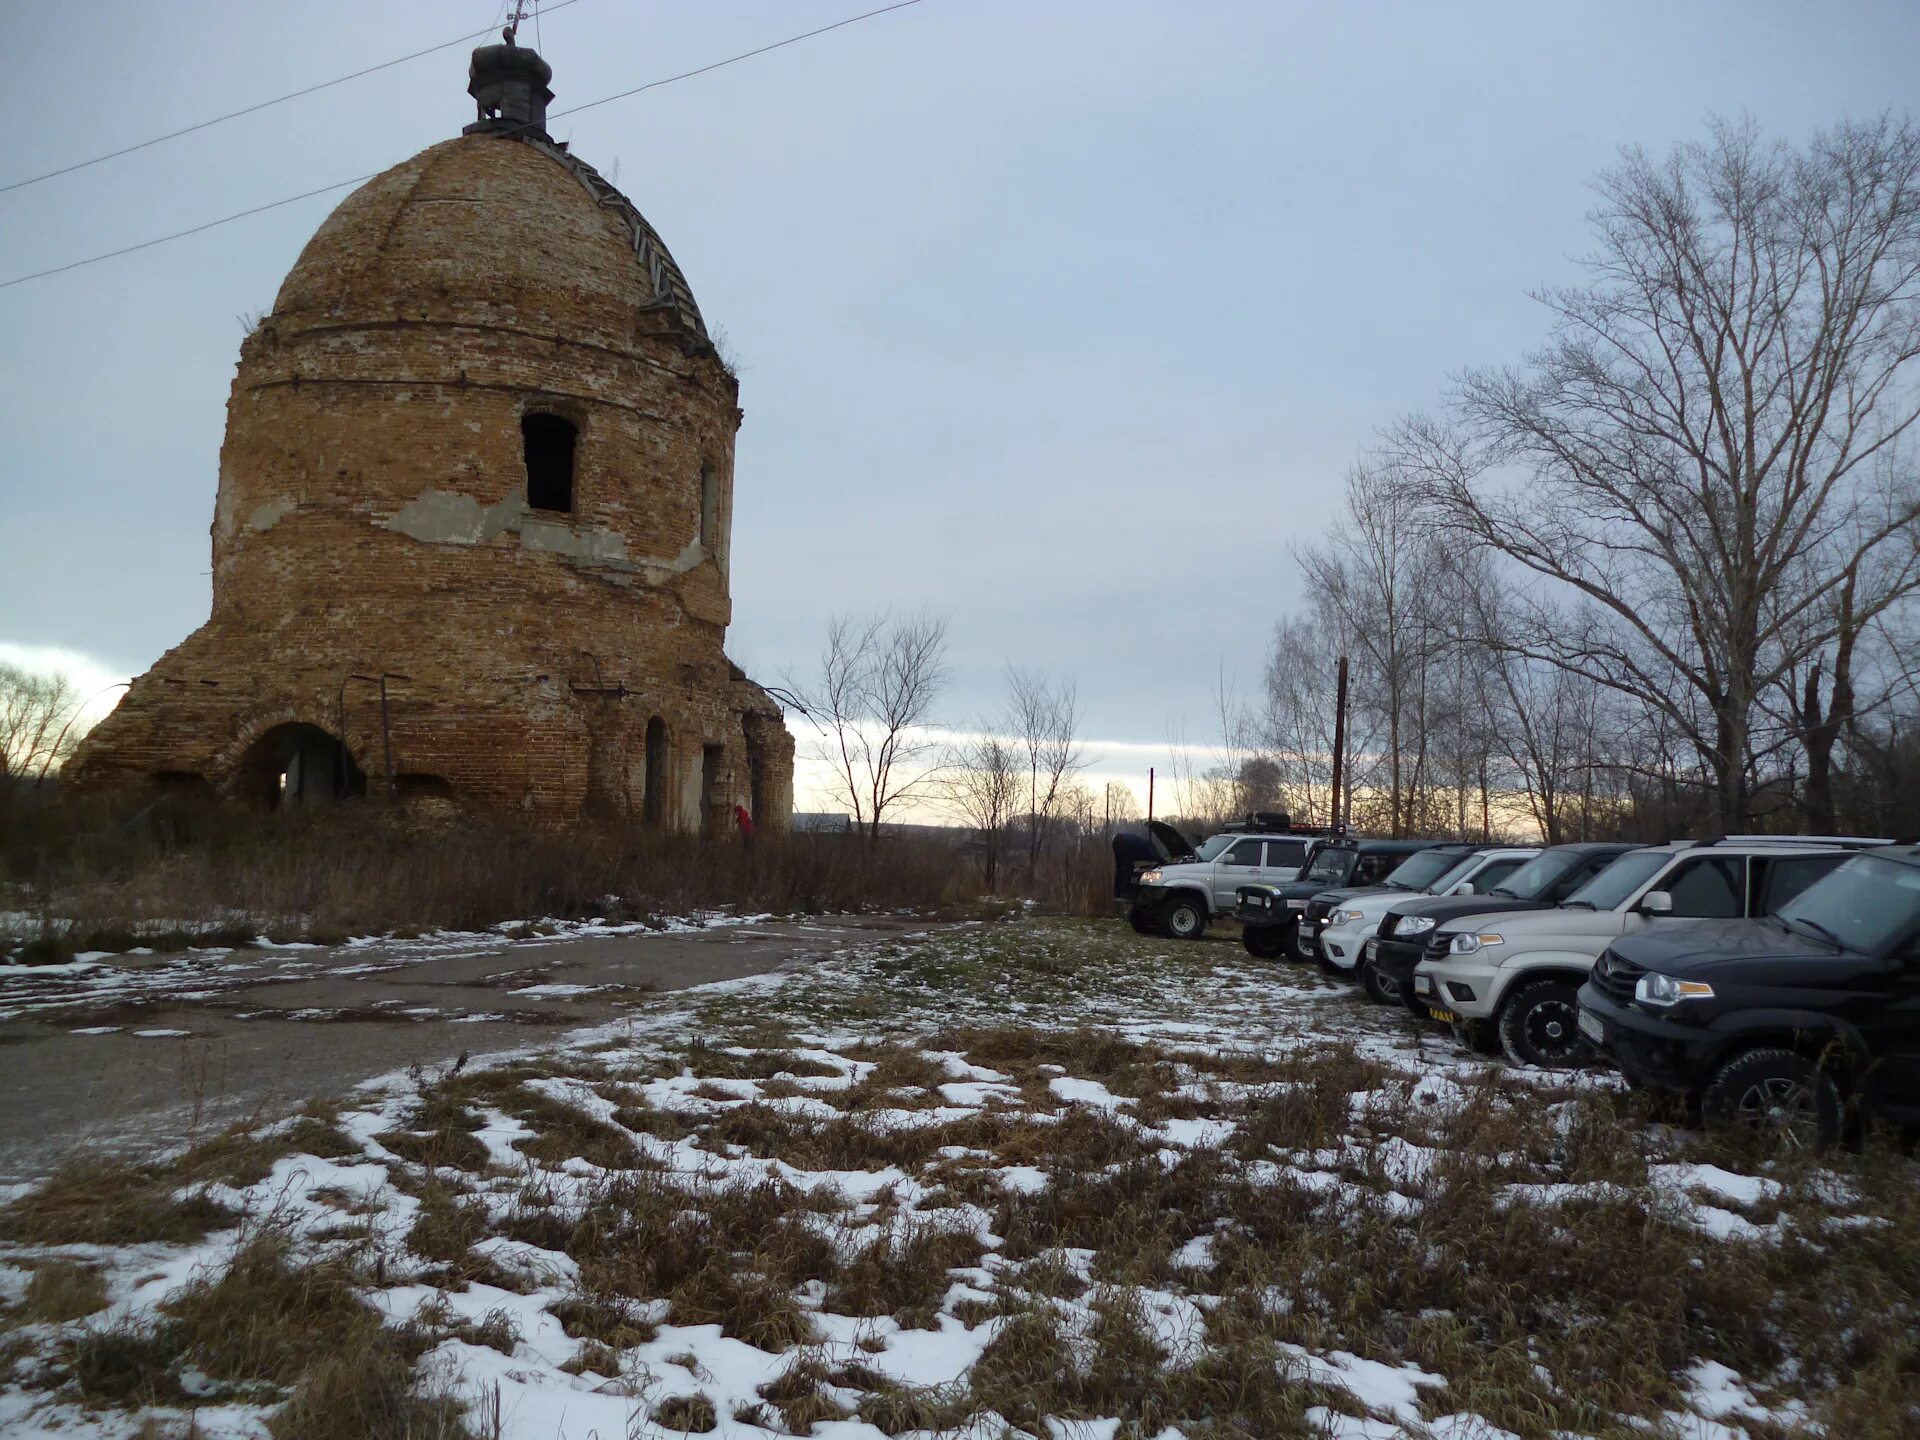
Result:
[[111, 873]]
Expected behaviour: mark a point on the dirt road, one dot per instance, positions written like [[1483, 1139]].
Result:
[[144, 1052]]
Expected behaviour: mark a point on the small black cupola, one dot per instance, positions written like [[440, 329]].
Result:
[[509, 84]]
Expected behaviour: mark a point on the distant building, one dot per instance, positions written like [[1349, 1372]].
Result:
[[482, 448]]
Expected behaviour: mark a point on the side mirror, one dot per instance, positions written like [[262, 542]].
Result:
[[1465, 887], [1656, 902]]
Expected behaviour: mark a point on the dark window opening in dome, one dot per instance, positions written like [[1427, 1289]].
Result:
[[548, 443], [709, 507]]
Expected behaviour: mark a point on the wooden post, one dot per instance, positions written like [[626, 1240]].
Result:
[[1339, 741], [1149, 792]]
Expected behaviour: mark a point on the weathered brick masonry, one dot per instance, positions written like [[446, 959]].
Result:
[[374, 512]]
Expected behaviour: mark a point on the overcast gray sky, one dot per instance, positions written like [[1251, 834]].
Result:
[[1059, 317]]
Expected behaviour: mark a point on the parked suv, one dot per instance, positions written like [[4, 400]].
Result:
[[1523, 971], [1785, 1022], [1386, 967], [1352, 916], [1270, 912], [1180, 896]]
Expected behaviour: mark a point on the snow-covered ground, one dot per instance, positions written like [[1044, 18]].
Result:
[[1043, 1176]]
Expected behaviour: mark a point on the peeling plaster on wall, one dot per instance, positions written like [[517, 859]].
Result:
[[580, 542], [266, 516], [441, 517]]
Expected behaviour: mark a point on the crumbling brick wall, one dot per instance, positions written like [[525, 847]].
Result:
[[372, 519]]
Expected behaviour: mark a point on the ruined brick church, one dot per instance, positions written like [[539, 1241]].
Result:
[[471, 533]]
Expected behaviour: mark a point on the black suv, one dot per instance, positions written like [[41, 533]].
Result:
[[1270, 914], [1386, 965], [1785, 1022]]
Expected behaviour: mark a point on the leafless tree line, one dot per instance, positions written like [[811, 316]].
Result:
[[37, 723], [1012, 778], [1659, 574]]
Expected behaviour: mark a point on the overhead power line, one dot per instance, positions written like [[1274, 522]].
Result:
[[361, 179], [262, 105]]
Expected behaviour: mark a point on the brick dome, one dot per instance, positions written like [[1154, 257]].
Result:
[[482, 446], [492, 230]]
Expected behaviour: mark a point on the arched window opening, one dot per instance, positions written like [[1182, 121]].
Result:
[[656, 796], [710, 507], [294, 765], [548, 443]]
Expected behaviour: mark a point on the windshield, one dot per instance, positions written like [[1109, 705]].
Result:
[[1421, 870], [1328, 865], [1866, 904], [1539, 875], [1454, 876], [1620, 879], [1213, 845]]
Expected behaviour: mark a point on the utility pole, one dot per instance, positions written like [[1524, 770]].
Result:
[[1339, 741], [1149, 792]]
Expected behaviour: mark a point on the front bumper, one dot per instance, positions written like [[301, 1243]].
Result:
[[1649, 1049], [1279, 911], [1465, 985], [1396, 958], [1340, 944]]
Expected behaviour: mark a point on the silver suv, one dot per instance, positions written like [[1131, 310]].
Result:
[[1520, 971], [1179, 898]]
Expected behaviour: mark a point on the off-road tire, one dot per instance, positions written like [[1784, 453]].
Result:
[[1779, 1093], [1265, 942], [1183, 918], [1540, 1025], [1477, 1036], [1381, 989], [1142, 922]]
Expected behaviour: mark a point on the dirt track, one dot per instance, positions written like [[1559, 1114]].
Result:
[[261, 1031]]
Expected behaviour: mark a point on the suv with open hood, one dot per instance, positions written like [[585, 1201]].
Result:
[[1178, 895], [1785, 1022], [1522, 971]]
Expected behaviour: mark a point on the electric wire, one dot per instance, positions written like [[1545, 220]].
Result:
[[261, 105], [362, 179]]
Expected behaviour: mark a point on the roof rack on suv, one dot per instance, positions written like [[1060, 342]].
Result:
[[1275, 822], [1845, 842]]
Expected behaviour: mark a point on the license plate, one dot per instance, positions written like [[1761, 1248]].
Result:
[[1445, 1017], [1593, 1027], [1423, 984], [1370, 947]]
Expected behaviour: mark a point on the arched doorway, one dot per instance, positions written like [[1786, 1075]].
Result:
[[656, 802], [299, 764]]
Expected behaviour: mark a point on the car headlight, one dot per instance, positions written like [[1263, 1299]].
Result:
[[1348, 917], [1151, 877], [1414, 925], [1663, 990], [1471, 944]]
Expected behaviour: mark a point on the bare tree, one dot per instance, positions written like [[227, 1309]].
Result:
[[880, 680], [1374, 573], [1043, 717], [37, 729], [1703, 450], [983, 782]]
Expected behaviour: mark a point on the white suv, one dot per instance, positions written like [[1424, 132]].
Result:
[[1521, 970], [1356, 917]]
